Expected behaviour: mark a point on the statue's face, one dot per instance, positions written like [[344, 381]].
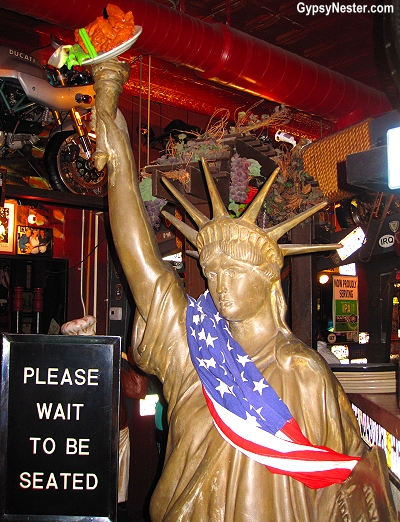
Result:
[[238, 289]]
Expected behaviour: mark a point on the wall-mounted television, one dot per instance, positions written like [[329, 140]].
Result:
[[393, 140]]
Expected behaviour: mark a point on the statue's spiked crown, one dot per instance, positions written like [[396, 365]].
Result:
[[250, 242]]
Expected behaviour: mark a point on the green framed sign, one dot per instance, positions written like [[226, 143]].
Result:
[[345, 305]]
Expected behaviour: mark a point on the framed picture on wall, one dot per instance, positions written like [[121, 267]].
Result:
[[7, 228], [34, 241]]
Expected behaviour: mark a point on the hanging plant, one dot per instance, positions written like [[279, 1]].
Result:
[[293, 191]]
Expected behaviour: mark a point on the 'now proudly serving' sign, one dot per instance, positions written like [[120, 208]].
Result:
[[345, 304]]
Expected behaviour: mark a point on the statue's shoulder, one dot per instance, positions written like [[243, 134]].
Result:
[[291, 353]]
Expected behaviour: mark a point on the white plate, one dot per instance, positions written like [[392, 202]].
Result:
[[113, 53]]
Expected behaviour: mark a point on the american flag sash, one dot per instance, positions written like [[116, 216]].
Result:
[[246, 410]]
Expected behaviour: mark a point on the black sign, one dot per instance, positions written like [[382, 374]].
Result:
[[59, 428]]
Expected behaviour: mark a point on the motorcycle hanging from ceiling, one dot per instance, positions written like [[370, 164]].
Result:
[[33, 98]]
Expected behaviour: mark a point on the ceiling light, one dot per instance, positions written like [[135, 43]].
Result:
[[323, 279]]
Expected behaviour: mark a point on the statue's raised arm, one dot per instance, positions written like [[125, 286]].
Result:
[[132, 232]]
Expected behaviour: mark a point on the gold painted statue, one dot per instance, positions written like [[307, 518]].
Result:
[[212, 473]]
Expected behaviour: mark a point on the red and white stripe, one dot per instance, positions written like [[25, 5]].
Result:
[[287, 452]]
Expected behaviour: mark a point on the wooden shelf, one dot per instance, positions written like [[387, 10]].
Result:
[[54, 197]]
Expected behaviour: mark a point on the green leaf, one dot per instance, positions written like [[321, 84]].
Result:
[[234, 207], [254, 168], [146, 189]]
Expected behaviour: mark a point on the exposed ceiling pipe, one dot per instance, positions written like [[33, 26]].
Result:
[[226, 56]]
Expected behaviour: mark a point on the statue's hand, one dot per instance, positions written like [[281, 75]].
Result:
[[110, 134], [109, 77], [101, 123]]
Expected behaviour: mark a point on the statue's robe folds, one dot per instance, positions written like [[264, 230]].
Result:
[[204, 478]]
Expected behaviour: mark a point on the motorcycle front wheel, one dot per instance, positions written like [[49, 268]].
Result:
[[68, 168]]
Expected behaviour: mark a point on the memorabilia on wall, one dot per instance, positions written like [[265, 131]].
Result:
[[7, 228], [34, 241]]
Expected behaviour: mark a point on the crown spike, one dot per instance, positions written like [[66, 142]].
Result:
[[218, 206], [187, 231], [278, 231], [292, 250], [251, 213], [199, 218]]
